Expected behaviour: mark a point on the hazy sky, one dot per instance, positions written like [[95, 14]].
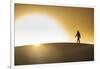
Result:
[[70, 19]]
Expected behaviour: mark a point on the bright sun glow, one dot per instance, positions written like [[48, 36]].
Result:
[[36, 29]]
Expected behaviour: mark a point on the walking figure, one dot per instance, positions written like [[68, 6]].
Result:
[[78, 36]]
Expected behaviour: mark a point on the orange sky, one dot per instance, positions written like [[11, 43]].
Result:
[[71, 19]]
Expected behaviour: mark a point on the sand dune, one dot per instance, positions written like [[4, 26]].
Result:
[[53, 53]]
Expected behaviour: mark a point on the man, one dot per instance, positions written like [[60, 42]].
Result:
[[78, 36]]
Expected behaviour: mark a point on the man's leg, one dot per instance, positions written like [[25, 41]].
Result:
[[79, 40]]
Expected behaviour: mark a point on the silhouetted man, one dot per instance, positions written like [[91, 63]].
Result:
[[78, 36]]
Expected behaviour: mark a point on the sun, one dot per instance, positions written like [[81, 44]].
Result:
[[36, 44], [38, 28]]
